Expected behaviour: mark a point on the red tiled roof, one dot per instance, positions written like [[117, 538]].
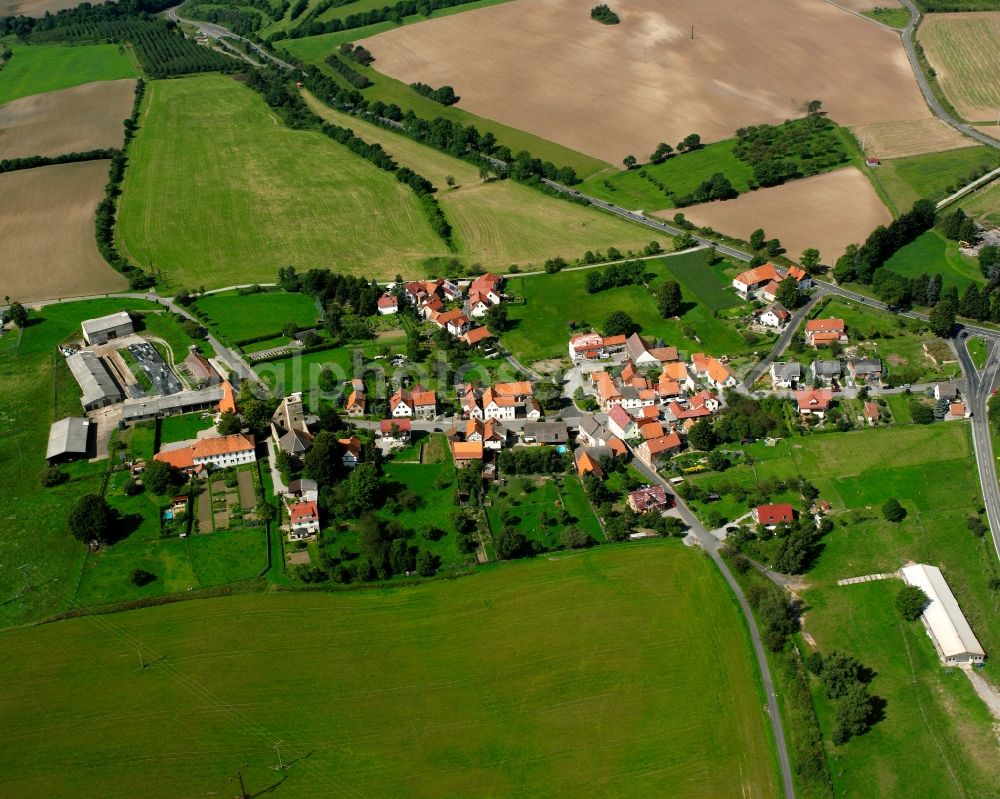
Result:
[[477, 334], [775, 514], [761, 274], [825, 326], [303, 512], [814, 399], [663, 443], [401, 425], [467, 450]]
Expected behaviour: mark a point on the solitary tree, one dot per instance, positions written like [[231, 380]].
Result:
[[629, 161], [757, 239], [450, 180], [892, 511], [942, 318], [620, 324], [362, 487], [19, 315], [668, 299], [661, 153], [91, 519], [809, 259], [855, 714], [910, 602], [814, 106]]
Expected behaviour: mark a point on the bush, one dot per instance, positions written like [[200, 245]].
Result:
[[141, 577], [52, 476]]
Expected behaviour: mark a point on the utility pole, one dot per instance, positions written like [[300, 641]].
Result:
[[692, 32], [277, 748], [142, 663], [243, 788]]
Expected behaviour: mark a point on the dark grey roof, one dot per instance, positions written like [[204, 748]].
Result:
[[93, 377], [109, 322], [547, 432], [827, 368], [866, 365], [68, 437], [175, 403], [787, 371]]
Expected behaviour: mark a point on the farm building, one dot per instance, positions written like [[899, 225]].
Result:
[[98, 387], [105, 328], [824, 332], [201, 369], [175, 404], [946, 624], [67, 439], [751, 280], [545, 433], [220, 452]]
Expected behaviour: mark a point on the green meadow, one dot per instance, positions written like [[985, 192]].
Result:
[[40, 68], [562, 675]]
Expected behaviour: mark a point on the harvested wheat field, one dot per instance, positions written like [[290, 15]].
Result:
[[546, 67], [989, 130], [47, 230], [964, 50], [902, 139], [826, 211], [87, 117]]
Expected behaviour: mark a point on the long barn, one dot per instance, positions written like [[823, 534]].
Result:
[[946, 624]]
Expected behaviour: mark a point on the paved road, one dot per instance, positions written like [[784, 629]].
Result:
[[711, 545], [783, 340], [925, 86], [978, 387], [214, 31]]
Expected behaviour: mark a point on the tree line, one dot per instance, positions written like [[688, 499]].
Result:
[[395, 13], [32, 161], [356, 79], [444, 95], [357, 53], [446, 135], [629, 273]]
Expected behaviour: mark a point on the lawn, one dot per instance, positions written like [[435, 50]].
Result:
[[167, 326], [978, 351], [219, 192], [932, 719], [36, 388], [681, 174], [37, 68], [898, 341], [548, 677], [893, 17], [933, 176], [434, 483], [182, 428], [500, 222], [301, 372], [931, 253], [551, 302], [239, 317], [984, 204], [315, 49]]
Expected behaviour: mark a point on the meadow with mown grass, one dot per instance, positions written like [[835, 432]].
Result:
[[42, 68], [933, 721], [554, 676], [208, 214], [541, 323]]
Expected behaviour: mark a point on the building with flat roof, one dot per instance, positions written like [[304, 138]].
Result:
[[68, 439], [105, 328], [946, 624], [95, 381]]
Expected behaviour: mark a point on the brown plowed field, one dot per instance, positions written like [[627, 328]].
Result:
[[964, 50], [826, 211], [546, 67], [34, 8], [87, 117], [47, 230], [901, 139]]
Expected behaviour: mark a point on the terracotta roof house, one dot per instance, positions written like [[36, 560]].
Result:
[[823, 332], [651, 452], [466, 452], [717, 374], [388, 304], [649, 498], [477, 336], [749, 281], [586, 463], [219, 452], [394, 428], [417, 402], [594, 347], [641, 354], [356, 404], [650, 428], [352, 451], [621, 423], [773, 515], [871, 412], [769, 292], [228, 401], [815, 401], [304, 518], [704, 399]]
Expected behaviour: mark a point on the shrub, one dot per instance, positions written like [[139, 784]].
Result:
[[910, 602], [141, 577]]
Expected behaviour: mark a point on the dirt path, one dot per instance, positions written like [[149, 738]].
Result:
[[985, 690]]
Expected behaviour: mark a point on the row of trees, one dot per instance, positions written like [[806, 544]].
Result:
[[395, 13], [859, 264], [628, 273], [445, 95], [717, 187], [446, 135], [356, 79], [357, 53]]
